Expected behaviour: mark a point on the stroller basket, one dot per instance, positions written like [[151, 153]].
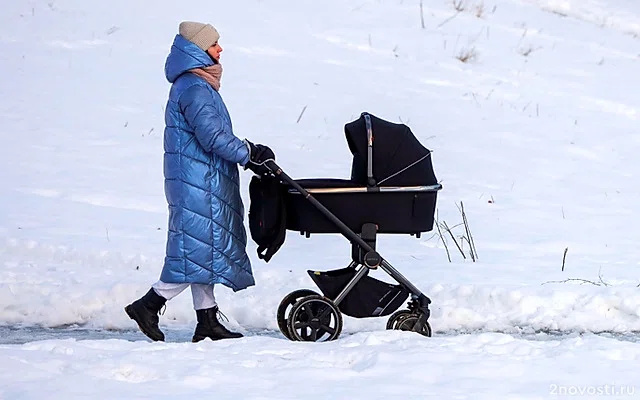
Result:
[[370, 297]]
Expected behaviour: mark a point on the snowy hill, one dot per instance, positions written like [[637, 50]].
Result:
[[530, 108]]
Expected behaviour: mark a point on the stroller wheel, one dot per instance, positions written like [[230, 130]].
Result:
[[405, 320], [314, 318], [288, 301], [396, 318]]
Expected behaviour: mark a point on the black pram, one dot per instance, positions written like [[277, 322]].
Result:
[[393, 190]]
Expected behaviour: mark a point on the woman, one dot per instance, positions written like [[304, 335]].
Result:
[[206, 240]]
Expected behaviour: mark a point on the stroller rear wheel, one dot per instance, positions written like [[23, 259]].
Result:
[[284, 307], [405, 320], [314, 318]]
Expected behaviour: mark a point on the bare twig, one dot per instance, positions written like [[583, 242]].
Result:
[[459, 5], [421, 15], [454, 239], [301, 113], [564, 256], [600, 277], [443, 242], [471, 253], [572, 280], [447, 20], [601, 281], [431, 237], [466, 227], [489, 95]]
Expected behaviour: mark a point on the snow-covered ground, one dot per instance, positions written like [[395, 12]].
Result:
[[536, 134]]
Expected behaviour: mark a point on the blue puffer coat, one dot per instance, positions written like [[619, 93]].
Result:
[[207, 239]]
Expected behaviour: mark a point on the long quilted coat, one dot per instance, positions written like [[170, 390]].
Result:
[[207, 239]]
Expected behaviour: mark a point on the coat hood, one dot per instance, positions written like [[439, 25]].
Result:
[[183, 57]]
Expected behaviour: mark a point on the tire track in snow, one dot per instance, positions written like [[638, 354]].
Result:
[[21, 335]]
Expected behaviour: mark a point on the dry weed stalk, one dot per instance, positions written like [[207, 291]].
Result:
[[467, 237], [444, 242], [467, 55], [459, 5], [479, 8]]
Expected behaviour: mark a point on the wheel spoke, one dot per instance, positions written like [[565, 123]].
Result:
[[328, 329], [407, 324], [314, 335], [307, 310], [324, 312], [304, 334]]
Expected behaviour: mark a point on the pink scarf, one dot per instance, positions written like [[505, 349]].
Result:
[[211, 74]]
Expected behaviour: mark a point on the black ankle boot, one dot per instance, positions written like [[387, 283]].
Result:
[[209, 327], [145, 312]]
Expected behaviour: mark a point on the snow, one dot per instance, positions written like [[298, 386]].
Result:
[[536, 136], [360, 366]]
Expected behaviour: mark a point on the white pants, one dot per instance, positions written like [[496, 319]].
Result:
[[202, 294]]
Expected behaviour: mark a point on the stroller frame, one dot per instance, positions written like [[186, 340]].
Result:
[[312, 315], [419, 303]]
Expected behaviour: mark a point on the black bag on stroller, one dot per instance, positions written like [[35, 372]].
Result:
[[267, 215]]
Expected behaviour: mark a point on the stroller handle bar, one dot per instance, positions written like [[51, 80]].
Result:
[[345, 230]]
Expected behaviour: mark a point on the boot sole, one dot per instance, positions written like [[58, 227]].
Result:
[[132, 314], [197, 339]]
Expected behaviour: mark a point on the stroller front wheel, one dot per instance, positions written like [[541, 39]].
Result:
[[283, 309], [396, 318], [405, 320], [314, 318]]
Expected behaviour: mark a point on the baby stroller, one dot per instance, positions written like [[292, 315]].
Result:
[[392, 190]]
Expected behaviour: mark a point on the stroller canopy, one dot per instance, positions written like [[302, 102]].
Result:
[[399, 159]]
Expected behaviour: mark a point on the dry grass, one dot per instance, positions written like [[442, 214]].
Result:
[[479, 10], [527, 50], [467, 55], [459, 5]]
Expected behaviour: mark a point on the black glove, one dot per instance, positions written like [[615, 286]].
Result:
[[259, 154]]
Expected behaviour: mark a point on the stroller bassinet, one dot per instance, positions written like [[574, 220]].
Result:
[[392, 184]]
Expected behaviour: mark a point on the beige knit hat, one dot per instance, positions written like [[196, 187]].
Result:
[[202, 35]]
